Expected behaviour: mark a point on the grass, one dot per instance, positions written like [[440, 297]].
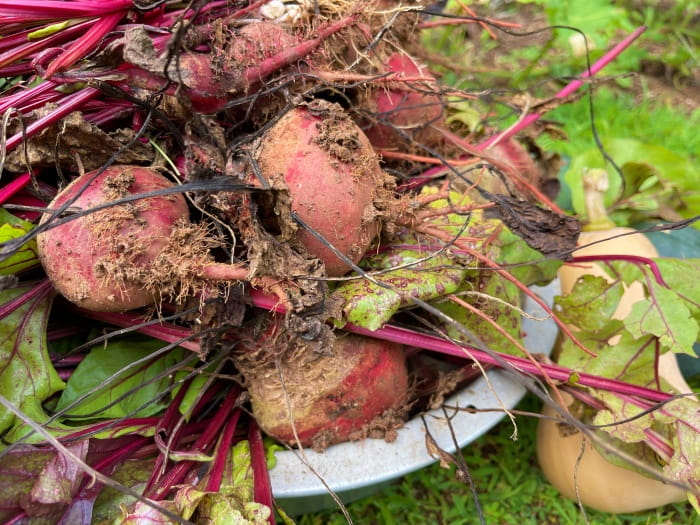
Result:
[[645, 118], [510, 488]]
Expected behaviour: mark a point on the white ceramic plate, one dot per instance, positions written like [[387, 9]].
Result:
[[356, 469]]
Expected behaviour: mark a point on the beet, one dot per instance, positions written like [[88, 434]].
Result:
[[406, 107], [79, 256], [356, 389], [129, 255], [232, 68], [520, 169], [321, 158]]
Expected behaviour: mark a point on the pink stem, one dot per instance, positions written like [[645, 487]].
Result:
[[12, 187], [35, 293], [16, 100], [29, 47], [636, 259], [262, 487], [86, 43], [292, 54], [660, 445], [202, 444], [67, 105], [163, 331], [216, 472], [569, 88], [436, 344], [52, 9], [144, 424]]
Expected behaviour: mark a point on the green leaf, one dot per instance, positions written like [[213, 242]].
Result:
[[677, 422], [658, 174], [675, 273], [591, 303], [233, 503], [134, 391], [133, 474], [27, 377], [498, 300], [664, 316], [628, 359], [12, 227], [371, 305], [637, 177], [194, 391], [524, 263], [684, 418], [40, 481], [413, 272]]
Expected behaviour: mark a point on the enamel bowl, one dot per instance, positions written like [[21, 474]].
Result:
[[357, 469]]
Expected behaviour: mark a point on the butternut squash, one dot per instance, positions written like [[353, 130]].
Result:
[[593, 480]]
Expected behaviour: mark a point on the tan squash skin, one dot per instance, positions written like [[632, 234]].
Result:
[[601, 485], [595, 482], [601, 231]]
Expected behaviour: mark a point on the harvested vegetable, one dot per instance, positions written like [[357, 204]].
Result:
[[569, 461], [127, 255], [579, 472], [405, 111], [600, 236], [326, 165], [355, 389]]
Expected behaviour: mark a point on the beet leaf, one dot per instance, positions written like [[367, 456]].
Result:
[[39, 481], [27, 377], [670, 313], [129, 393], [25, 257]]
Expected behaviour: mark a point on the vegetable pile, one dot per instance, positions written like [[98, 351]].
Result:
[[226, 220]]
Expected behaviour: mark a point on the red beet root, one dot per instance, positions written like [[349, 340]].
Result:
[[409, 109], [78, 256], [210, 80], [333, 398], [333, 177], [129, 255]]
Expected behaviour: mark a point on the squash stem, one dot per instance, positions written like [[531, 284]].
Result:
[[595, 184]]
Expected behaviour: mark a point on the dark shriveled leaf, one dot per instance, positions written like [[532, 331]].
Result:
[[544, 230]]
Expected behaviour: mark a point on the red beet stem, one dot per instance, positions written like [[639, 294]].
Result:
[[203, 445], [290, 55], [69, 104], [262, 488], [36, 292], [52, 9], [168, 333], [86, 43], [216, 472], [14, 186], [436, 344], [569, 88], [636, 259]]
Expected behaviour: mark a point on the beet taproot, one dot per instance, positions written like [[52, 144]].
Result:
[[131, 254], [233, 67], [356, 389], [322, 160], [405, 110]]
